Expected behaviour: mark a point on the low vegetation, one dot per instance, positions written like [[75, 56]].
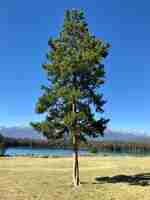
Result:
[[105, 178], [93, 149], [2, 145]]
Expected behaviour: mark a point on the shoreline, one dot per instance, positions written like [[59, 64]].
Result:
[[70, 156]]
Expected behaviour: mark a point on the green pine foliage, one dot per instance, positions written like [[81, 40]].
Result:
[[2, 145], [1, 138], [75, 73]]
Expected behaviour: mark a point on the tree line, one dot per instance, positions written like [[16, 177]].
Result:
[[101, 146], [121, 146]]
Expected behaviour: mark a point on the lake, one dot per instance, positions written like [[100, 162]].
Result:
[[16, 151], [23, 151]]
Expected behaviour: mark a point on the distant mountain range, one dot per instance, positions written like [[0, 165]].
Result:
[[20, 132], [110, 135], [119, 135]]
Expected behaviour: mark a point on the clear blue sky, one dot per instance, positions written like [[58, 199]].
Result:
[[25, 28]]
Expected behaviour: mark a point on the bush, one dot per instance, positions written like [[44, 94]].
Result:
[[2, 149], [93, 150]]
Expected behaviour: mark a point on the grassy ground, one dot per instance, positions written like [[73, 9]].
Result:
[[25, 178]]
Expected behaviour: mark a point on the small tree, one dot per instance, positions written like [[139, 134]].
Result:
[[1, 138], [75, 73], [2, 145]]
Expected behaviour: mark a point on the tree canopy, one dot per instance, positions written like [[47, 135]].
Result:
[[75, 72]]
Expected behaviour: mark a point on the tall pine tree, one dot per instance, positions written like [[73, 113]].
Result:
[[75, 73]]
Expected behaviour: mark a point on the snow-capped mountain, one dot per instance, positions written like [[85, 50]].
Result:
[[112, 135], [20, 132]]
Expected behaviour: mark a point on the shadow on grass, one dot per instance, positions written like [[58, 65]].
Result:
[[138, 179]]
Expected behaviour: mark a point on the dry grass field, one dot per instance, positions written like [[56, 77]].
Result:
[[25, 178]]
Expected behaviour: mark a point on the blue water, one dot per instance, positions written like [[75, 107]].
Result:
[[23, 151], [16, 151]]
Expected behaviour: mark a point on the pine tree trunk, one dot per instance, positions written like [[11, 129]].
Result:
[[76, 177]]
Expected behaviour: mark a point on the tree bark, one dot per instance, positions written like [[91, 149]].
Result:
[[76, 176]]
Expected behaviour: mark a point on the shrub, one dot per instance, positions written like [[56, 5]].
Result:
[[2, 149], [93, 150]]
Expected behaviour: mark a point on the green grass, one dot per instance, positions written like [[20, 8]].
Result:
[[24, 178]]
